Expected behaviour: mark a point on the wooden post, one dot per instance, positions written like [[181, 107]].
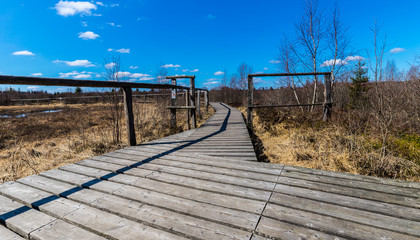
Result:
[[193, 103], [198, 104], [128, 106], [206, 100], [187, 103], [327, 98], [250, 102], [173, 111]]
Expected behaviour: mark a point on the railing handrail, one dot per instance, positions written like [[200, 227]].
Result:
[[40, 81], [288, 74]]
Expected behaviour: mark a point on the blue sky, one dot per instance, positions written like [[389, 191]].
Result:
[[71, 39]]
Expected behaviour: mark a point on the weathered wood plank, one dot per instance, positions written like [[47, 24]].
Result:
[[7, 234], [353, 192], [20, 218], [350, 214], [371, 186], [352, 202], [282, 230], [331, 225], [152, 185], [180, 205], [350, 176]]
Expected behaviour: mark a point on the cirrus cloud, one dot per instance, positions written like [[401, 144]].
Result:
[[397, 50], [218, 73]]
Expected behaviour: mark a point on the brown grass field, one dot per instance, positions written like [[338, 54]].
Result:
[[299, 140], [43, 141]]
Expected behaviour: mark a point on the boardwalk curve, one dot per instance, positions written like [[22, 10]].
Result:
[[204, 184]]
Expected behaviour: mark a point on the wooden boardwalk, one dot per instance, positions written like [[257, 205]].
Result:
[[204, 184]]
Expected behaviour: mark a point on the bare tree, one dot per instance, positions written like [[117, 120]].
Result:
[[113, 72], [310, 33], [338, 43], [288, 65], [243, 72], [161, 73]]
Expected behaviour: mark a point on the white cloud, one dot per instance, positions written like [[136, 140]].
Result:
[[185, 70], [123, 50], [84, 24], [210, 17], [23, 53], [211, 83], [36, 74], [115, 5], [100, 4], [134, 76], [33, 87], [113, 24], [76, 63], [97, 15], [218, 73], [134, 67], [171, 66], [71, 8], [88, 35], [266, 68], [354, 58], [195, 70], [76, 75], [397, 50], [274, 61], [110, 65], [332, 61]]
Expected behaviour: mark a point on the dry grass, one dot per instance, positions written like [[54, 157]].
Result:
[[44, 141], [293, 140]]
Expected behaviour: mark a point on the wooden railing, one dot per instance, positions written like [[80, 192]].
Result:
[[327, 94], [127, 94]]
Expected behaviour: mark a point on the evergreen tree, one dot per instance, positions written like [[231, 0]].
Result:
[[78, 90], [358, 87]]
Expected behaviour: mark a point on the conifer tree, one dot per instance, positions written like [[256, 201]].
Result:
[[358, 87]]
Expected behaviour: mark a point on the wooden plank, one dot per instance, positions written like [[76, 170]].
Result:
[[174, 190], [330, 225], [169, 220], [99, 221], [355, 177], [218, 187], [188, 207], [371, 186], [353, 192], [349, 214], [282, 230], [198, 167], [352, 202], [7, 234], [265, 167], [221, 178], [20, 218], [62, 230]]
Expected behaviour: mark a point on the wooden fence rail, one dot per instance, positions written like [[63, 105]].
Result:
[[127, 93], [327, 94]]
